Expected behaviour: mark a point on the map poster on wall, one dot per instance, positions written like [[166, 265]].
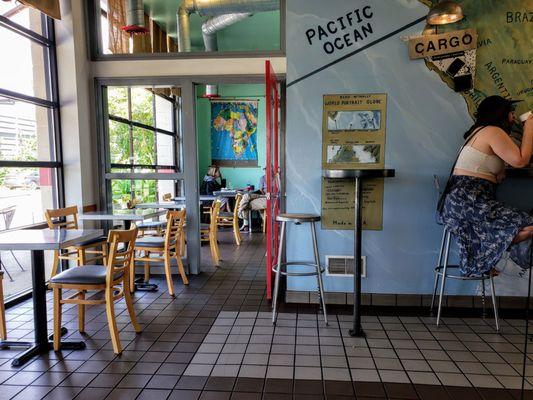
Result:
[[234, 133], [338, 197], [353, 131]]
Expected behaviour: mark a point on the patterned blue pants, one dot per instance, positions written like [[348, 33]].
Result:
[[483, 226]]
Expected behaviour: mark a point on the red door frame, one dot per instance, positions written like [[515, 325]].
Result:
[[273, 181]]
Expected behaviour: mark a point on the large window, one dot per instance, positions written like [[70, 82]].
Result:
[[177, 27], [142, 144], [30, 163]]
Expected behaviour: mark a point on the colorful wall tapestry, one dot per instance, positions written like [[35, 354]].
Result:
[[234, 133]]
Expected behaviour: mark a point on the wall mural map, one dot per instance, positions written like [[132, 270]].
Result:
[[504, 56], [234, 133]]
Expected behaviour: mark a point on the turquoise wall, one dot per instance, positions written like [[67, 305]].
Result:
[[239, 177]]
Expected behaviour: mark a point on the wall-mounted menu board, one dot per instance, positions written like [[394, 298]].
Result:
[[353, 131], [353, 137]]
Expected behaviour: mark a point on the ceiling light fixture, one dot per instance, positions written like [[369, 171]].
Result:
[[445, 12]]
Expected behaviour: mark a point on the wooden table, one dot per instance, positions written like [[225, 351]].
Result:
[[358, 175], [166, 205], [36, 241]]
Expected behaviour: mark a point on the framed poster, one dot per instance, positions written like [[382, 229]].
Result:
[[234, 133], [353, 131]]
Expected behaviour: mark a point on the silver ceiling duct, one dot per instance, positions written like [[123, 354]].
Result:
[[135, 13], [214, 8]]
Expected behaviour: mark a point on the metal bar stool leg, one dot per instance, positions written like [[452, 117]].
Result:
[[321, 300], [444, 267], [278, 273], [439, 264], [494, 303]]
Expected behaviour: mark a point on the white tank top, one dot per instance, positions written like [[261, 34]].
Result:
[[473, 160]]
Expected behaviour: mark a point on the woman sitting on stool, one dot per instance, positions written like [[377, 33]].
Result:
[[486, 228]]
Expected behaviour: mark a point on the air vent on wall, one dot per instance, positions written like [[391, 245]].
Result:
[[343, 266]]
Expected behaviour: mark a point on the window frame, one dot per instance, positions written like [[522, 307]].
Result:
[[96, 53], [54, 127], [107, 175], [48, 43]]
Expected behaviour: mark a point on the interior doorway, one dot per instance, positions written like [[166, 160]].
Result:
[[233, 142]]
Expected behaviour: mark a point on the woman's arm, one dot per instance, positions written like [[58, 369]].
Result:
[[508, 151]]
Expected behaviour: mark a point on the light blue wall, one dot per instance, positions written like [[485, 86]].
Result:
[[425, 123]]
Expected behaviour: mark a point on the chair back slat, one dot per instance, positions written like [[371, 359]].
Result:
[[238, 199], [121, 247], [174, 230], [215, 212], [66, 218]]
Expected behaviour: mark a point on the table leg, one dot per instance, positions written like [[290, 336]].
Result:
[[139, 283], [358, 220], [41, 344]]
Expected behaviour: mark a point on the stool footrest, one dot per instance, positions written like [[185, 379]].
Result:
[[439, 271], [301, 263]]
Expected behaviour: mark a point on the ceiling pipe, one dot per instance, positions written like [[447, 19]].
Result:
[[209, 34], [135, 17], [213, 8]]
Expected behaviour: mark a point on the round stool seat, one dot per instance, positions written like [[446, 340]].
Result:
[[298, 218]]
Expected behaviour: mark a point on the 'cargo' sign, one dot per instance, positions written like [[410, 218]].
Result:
[[444, 43]]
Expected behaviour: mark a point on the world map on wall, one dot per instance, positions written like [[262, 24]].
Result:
[[233, 133], [504, 59]]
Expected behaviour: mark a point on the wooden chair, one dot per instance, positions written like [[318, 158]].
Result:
[[169, 246], [67, 218], [209, 232], [113, 279], [3, 329], [232, 219]]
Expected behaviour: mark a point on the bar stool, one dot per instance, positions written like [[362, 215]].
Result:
[[298, 219], [442, 270]]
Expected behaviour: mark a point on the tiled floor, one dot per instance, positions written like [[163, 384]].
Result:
[[215, 340]]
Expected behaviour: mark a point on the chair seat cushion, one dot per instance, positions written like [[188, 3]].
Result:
[[151, 242], [204, 226], [225, 214], [151, 224], [93, 241], [84, 275]]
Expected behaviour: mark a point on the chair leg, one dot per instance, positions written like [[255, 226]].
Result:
[[82, 257], [483, 307], [435, 286], [111, 320], [168, 274], [494, 303], [129, 305], [17, 260], [278, 273], [181, 269], [81, 312], [444, 270], [132, 274], [214, 249], [147, 268], [236, 231], [55, 266], [104, 253], [3, 329], [322, 300], [57, 318]]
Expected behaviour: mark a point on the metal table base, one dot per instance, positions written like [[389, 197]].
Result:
[[358, 175]]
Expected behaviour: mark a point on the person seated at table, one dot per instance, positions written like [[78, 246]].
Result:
[[262, 183], [211, 184], [250, 201], [486, 229]]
